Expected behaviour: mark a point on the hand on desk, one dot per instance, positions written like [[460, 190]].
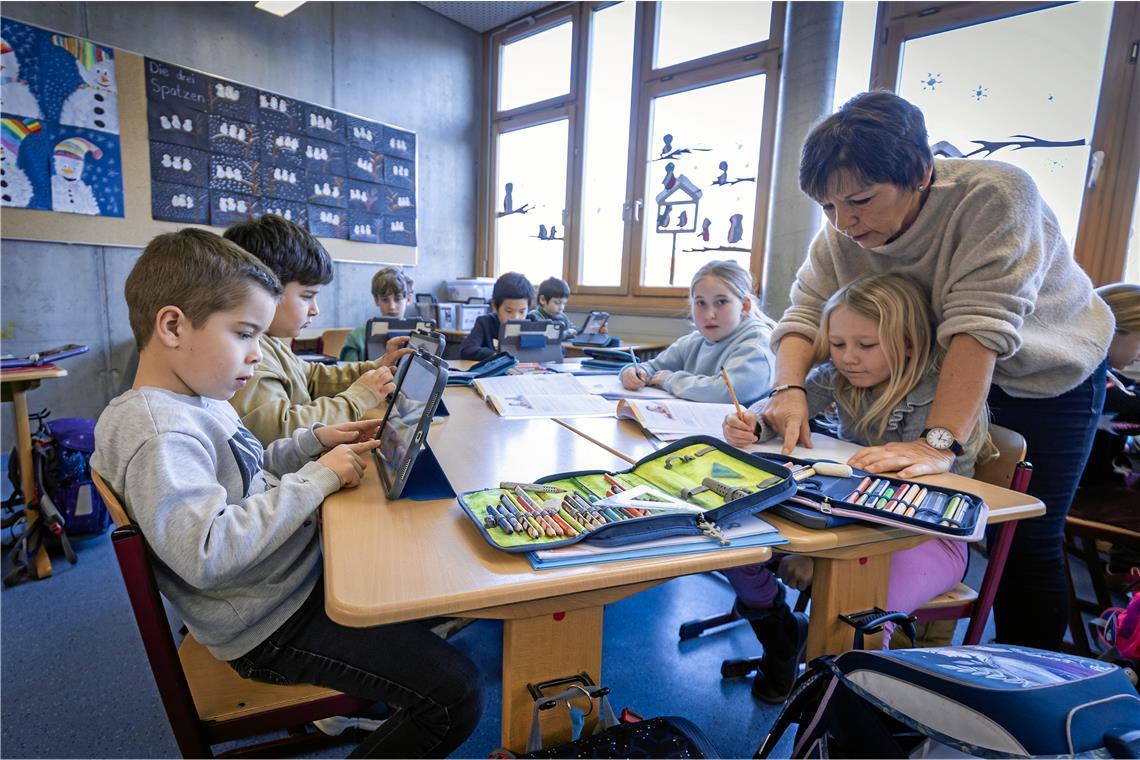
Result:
[[908, 459], [634, 377], [379, 381], [787, 413], [659, 377], [740, 432], [346, 461]]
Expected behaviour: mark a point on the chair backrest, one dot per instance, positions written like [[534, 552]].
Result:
[[150, 616], [333, 339], [1009, 468]]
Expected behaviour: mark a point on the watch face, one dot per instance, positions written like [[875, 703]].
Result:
[[940, 438]]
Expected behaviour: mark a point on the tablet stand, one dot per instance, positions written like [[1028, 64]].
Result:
[[427, 481]]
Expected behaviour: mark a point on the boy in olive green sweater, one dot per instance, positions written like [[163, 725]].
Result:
[[287, 393]]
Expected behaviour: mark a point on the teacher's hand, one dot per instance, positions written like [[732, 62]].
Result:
[[908, 459], [787, 413]]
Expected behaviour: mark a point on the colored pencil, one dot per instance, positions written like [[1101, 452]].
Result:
[[732, 394]]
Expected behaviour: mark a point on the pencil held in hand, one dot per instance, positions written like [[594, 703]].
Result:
[[732, 393]]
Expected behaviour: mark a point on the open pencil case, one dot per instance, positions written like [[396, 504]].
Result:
[[892, 501], [680, 472]]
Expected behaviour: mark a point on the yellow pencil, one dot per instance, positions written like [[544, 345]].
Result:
[[732, 393]]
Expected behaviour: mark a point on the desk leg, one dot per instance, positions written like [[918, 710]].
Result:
[[842, 586], [41, 567], [541, 648]]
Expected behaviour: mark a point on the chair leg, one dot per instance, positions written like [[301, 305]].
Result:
[[691, 629], [990, 582], [1076, 623]]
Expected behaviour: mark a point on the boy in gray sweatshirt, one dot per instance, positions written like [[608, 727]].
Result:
[[234, 526]]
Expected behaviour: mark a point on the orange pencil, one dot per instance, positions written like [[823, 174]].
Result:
[[732, 393]]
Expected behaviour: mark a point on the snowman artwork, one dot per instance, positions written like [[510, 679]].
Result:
[[94, 104], [17, 98], [15, 188], [68, 190]]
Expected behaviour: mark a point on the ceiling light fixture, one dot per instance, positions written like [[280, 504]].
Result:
[[279, 7]]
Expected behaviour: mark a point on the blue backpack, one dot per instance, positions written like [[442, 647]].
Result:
[[991, 700]]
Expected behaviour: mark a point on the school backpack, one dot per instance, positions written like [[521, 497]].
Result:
[[991, 700]]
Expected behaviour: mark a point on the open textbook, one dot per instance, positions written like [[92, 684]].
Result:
[[670, 419], [550, 395]]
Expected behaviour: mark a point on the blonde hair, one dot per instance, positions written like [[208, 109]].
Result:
[[1123, 298], [899, 306], [739, 283]]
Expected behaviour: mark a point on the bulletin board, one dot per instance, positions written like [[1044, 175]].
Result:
[[142, 157]]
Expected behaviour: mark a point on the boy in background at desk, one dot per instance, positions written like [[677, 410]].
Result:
[[553, 295], [731, 333], [287, 393], [510, 299], [879, 367], [234, 526], [392, 290]]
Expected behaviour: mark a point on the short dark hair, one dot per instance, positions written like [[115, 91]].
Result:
[[287, 248], [195, 270], [553, 287], [511, 285], [877, 136]]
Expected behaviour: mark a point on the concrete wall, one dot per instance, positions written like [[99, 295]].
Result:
[[396, 61]]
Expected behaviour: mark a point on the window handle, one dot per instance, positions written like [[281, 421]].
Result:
[[637, 210], [1095, 167]]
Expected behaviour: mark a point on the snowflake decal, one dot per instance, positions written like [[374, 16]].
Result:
[[1050, 98], [981, 92], [932, 80]]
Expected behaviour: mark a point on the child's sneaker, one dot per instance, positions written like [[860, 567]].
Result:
[[338, 724]]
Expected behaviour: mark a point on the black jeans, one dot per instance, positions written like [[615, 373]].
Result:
[[436, 692], [1032, 602]]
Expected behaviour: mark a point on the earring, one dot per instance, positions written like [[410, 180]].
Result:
[[921, 188]]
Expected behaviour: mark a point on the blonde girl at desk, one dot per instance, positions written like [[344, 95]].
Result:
[[731, 333], [878, 363]]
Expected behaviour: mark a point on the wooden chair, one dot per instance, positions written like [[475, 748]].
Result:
[[1090, 531], [207, 702], [333, 340], [1008, 470]]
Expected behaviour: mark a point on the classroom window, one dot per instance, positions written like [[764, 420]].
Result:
[[531, 200], [698, 72], [536, 67], [688, 29], [1047, 89], [856, 42]]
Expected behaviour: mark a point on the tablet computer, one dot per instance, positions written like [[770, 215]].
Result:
[[379, 330], [429, 341], [531, 340], [419, 386], [594, 323]]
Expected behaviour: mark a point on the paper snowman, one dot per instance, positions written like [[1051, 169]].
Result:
[[94, 104], [68, 190], [15, 187], [17, 98]]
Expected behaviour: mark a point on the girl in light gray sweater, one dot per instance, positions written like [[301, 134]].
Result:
[[731, 333]]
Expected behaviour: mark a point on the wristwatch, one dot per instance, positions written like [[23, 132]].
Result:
[[942, 440]]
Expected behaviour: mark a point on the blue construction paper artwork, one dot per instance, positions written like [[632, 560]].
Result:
[[174, 85], [230, 99], [398, 231], [399, 201], [365, 196], [364, 165], [326, 189], [294, 212], [179, 165], [364, 227], [18, 166], [179, 203], [364, 134], [233, 138], [284, 183], [173, 123], [21, 83], [321, 156], [399, 173], [279, 112], [235, 175], [399, 143], [282, 148], [328, 222], [322, 123], [227, 208]]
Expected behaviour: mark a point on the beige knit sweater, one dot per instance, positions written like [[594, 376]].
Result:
[[988, 250]]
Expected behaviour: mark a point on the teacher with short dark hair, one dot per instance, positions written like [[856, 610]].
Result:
[[1017, 317]]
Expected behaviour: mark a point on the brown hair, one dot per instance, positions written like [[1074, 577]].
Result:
[[391, 281], [1123, 298], [195, 270]]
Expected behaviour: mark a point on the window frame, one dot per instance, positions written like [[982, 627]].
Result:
[[629, 296], [1101, 243]]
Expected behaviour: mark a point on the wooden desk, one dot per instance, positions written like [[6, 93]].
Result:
[[645, 349], [387, 562], [852, 563], [15, 385]]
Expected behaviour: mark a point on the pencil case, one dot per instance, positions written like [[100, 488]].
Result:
[[919, 507], [704, 475]]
